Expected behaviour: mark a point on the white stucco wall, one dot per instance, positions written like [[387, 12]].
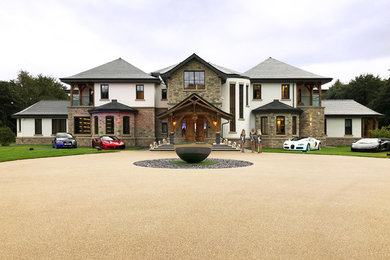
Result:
[[335, 126], [271, 91], [125, 93], [28, 127], [244, 123], [158, 101]]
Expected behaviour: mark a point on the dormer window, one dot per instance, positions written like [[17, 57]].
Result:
[[194, 80]]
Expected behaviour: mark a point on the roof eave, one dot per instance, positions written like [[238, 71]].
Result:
[[110, 80], [294, 80]]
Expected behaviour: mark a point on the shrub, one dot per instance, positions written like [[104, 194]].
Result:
[[6, 136], [384, 132]]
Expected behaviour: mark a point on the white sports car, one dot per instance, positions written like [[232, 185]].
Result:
[[302, 144]]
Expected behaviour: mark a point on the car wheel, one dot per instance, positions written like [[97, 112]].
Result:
[[308, 148], [319, 147]]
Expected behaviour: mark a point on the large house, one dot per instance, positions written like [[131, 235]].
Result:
[[196, 101]]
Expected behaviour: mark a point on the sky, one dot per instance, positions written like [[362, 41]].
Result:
[[334, 38]]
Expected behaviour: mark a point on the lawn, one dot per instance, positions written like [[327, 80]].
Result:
[[18, 152], [342, 150]]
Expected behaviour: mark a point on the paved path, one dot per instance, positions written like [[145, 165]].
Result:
[[285, 206]]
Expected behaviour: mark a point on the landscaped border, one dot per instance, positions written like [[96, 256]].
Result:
[[167, 163]]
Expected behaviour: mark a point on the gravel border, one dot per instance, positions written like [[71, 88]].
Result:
[[166, 163]]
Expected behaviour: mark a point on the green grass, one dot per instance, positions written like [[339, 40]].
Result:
[[342, 150], [191, 164], [18, 152]]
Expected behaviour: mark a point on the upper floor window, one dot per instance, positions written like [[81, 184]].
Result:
[[280, 129], [194, 80], [256, 91], [104, 91], [164, 93], [348, 126], [246, 95], [286, 91], [140, 92]]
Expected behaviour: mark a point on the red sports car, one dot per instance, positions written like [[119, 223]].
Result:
[[108, 142]]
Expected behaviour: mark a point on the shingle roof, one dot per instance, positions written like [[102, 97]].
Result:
[[339, 107], [277, 107], [45, 108], [114, 105], [272, 69], [116, 70]]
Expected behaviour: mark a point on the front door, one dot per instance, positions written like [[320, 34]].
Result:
[[200, 130], [190, 130]]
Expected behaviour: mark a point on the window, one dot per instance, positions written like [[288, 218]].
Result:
[[38, 126], [20, 125], [82, 125], [104, 91], [246, 95], [325, 131], [286, 91], [294, 125], [140, 92], [58, 126], [164, 93], [164, 128], [256, 91], [280, 125], [241, 101], [194, 80], [126, 125], [96, 126], [233, 107], [264, 125], [348, 126], [109, 124]]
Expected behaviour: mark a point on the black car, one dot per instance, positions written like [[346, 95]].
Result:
[[64, 140]]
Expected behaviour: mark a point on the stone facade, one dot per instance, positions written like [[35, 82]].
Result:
[[79, 111], [312, 123], [34, 140], [145, 126], [213, 85], [341, 141], [271, 139]]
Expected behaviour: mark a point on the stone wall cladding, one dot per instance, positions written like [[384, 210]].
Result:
[[145, 126], [212, 92], [341, 141], [77, 111], [271, 139], [118, 124], [36, 140], [312, 122]]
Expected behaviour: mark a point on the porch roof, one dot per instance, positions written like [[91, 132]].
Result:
[[117, 70], [341, 107], [113, 106], [277, 107], [45, 108], [195, 98]]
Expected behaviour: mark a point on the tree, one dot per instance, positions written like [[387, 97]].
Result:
[[25, 91], [6, 136]]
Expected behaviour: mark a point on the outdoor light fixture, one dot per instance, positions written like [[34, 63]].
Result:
[[215, 123], [174, 123]]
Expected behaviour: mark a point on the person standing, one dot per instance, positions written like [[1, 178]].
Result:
[[259, 145], [242, 137], [252, 135]]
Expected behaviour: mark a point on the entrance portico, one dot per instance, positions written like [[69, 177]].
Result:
[[194, 120]]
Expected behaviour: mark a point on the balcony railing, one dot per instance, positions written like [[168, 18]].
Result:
[[305, 101], [85, 101]]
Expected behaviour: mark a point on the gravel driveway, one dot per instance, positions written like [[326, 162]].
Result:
[[287, 206]]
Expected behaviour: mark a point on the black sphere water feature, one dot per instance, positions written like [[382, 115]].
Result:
[[193, 152]]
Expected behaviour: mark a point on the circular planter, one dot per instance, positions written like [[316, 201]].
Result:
[[193, 153]]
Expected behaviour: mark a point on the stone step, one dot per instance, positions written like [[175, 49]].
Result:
[[216, 147]]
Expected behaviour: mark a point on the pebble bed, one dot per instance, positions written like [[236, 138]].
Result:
[[166, 163]]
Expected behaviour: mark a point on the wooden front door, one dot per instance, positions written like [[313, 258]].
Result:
[[200, 130], [190, 130]]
